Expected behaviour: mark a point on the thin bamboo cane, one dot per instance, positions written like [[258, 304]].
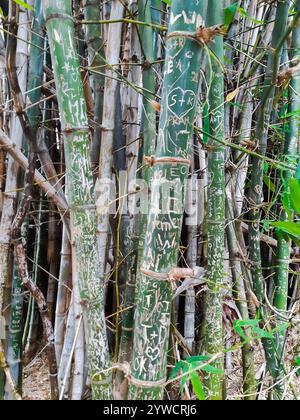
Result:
[[239, 292], [62, 295], [108, 127], [95, 43], [284, 246], [216, 207]]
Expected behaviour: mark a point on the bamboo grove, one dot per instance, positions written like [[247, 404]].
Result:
[[150, 199]]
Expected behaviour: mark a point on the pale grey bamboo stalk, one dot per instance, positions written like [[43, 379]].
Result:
[[45, 186], [79, 350], [62, 294], [64, 371], [108, 127], [133, 117], [10, 195], [192, 247]]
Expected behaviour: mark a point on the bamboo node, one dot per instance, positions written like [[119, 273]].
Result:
[[152, 160], [175, 274], [7, 147], [51, 16], [184, 34], [206, 35], [69, 129], [147, 65], [126, 369]]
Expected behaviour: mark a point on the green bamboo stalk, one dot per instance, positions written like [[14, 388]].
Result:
[[148, 134], [74, 122], [216, 207], [261, 134], [14, 339], [154, 297], [36, 61], [35, 75], [284, 245]]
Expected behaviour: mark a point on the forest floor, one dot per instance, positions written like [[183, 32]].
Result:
[[36, 380]]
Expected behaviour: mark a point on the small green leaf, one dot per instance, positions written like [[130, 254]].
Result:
[[298, 172], [211, 369], [239, 326], [295, 194], [23, 4], [286, 202], [269, 184], [185, 370], [291, 228], [176, 369], [1, 13], [291, 114], [200, 358], [243, 13], [197, 386], [297, 363], [260, 333], [229, 14]]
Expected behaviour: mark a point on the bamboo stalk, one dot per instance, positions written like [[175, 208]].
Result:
[[96, 52], [283, 253], [216, 208], [108, 128], [62, 294], [74, 122], [154, 297], [10, 195]]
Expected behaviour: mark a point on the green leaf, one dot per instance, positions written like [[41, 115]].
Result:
[[291, 228], [176, 369], [295, 194], [298, 172], [1, 13], [269, 184], [291, 114], [197, 386], [200, 358], [23, 4], [229, 14], [239, 326], [286, 202], [212, 369], [243, 13], [297, 363], [185, 370], [260, 333]]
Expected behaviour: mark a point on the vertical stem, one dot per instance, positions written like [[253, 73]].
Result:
[[216, 206], [284, 246], [154, 297], [74, 123]]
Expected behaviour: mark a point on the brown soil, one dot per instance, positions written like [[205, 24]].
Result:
[[36, 380]]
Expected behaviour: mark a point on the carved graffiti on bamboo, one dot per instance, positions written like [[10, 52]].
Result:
[[181, 102], [187, 19], [174, 49]]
